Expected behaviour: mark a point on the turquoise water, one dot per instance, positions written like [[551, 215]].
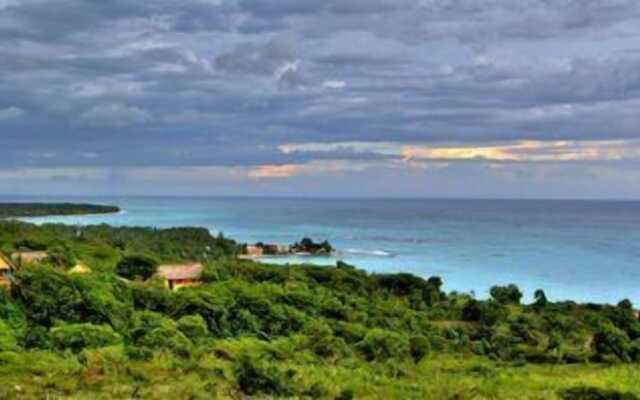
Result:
[[579, 250]]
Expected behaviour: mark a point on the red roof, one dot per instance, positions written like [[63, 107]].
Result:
[[186, 271]]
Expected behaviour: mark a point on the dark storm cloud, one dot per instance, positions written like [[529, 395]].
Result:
[[227, 82]]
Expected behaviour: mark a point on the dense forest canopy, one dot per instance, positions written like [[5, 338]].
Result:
[[295, 331], [17, 210]]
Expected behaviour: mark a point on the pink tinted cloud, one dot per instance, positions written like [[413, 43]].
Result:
[[276, 171]]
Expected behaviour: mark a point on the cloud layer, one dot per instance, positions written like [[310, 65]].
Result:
[[263, 95]]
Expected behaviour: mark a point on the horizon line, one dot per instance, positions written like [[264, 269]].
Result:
[[57, 197]]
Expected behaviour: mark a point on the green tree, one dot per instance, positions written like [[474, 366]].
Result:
[[540, 300], [509, 294], [136, 267]]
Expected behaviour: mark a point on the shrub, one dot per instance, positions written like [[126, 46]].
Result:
[[255, 377], [320, 339], [419, 347], [167, 338], [350, 332], [487, 313], [316, 391], [401, 284], [30, 244], [472, 311], [105, 299], [624, 317], [381, 344], [155, 331], [343, 265], [593, 393], [139, 353], [346, 394], [609, 340], [12, 313], [79, 336], [404, 284], [136, 267], [193, 326], [152, 295], [50, 295], [8, 341], [37, 336], [61, 256]]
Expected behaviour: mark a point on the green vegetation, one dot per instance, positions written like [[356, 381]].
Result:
[[136, 267], [295, 331], [16, 210]]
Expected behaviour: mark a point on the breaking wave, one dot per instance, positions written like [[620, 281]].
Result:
[[376, 253]]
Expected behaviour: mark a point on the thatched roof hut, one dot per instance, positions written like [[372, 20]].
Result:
[[5, 264], [80, 268], [29, 257], [180, 275], [6, 269]]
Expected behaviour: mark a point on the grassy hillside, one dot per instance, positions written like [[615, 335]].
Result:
[[16, 210], [295, 331]]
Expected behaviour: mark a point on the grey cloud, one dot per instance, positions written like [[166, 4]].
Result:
[[10, 113], [118, 115], [342, 60], [303, 7], [226, 82], [257, 58]]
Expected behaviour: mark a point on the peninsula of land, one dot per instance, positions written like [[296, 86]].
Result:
[[23, 210]]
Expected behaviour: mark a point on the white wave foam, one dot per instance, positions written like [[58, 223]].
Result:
[[377, 253]]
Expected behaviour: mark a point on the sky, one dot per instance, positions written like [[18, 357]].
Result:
[[384, 98]]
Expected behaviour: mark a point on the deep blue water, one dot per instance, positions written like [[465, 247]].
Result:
[[579, 250]]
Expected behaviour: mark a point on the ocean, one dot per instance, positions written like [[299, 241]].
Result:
[[586, 251]]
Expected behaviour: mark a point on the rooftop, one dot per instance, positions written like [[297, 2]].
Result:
[[185, 271], [80, 268], [29, 256], [4, 263]]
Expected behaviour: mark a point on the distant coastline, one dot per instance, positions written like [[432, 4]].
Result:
[[32, 209], [530, 243]]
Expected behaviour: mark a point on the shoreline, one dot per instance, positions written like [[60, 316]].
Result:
[[25, 219], [300, 254]]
